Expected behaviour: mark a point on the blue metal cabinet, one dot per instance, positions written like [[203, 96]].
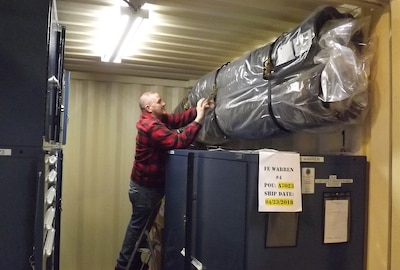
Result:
[[211, 210]]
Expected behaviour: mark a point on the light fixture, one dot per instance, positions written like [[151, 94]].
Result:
[[129, 25]]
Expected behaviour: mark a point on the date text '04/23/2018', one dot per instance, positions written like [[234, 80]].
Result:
[[279, 201]]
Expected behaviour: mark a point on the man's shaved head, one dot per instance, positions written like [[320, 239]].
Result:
[[146, 98]]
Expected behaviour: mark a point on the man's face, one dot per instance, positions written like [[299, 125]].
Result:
[[157, 105]]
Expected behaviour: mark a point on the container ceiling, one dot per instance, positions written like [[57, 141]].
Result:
[[189, 38]]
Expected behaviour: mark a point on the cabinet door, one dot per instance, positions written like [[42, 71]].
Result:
[[23, 68], [219, 213], [174, 212], [19, 180]]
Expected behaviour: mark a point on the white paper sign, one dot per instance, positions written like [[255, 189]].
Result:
[[336, 221], [279, 185]]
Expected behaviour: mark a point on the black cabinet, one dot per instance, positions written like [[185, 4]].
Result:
[[211, 212], [21, 181], [31, 105], [23, 69]]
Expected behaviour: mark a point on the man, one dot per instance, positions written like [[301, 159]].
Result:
[[158, 132]]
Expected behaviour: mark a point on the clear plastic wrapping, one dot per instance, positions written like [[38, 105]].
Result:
[[312, 77]]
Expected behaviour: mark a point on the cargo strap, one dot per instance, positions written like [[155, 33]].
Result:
[[271, 111], [214, 90]]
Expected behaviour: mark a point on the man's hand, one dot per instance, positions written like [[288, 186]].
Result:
[[202, 105]]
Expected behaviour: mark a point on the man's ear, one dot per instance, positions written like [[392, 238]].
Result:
[[147, 108]]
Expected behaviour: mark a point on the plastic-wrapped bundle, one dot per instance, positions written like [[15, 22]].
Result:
[[312, 77]]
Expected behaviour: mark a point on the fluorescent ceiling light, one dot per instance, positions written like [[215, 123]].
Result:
[[129, 24]]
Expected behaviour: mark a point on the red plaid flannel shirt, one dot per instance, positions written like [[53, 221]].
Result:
[[154, 138]]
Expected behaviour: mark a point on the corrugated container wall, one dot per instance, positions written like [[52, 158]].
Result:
[[101, 137]]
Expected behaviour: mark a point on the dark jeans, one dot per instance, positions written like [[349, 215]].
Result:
[[143, 202]]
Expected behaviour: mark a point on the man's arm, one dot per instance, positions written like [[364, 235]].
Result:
[[197, 114], [178, 120], [166, 139]]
